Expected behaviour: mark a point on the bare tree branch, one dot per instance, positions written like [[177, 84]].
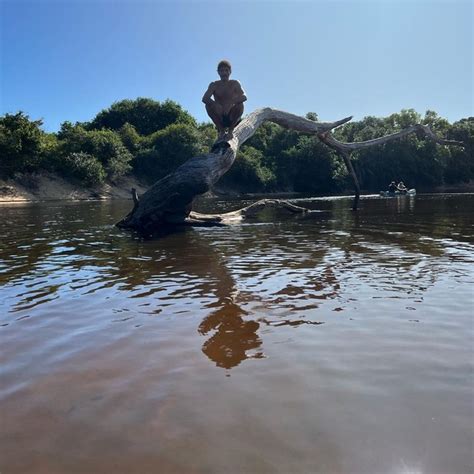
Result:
[[418, 128]]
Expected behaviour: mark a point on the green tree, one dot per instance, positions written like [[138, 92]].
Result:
[[312, 116], [460, 164], [165, 150], [130, 137], [273, 141], [21, 144], [438, 124], [82, 167], [146, 115], [104, 145], [313, 166], [207, 136], [248, 172], [403, 119]]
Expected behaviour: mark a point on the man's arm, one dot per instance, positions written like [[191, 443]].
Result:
[[206, 98], [239, 93]]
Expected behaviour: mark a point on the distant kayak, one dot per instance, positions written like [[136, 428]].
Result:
[[410, 192]]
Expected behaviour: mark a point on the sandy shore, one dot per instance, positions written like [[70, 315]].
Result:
[[50, 187]]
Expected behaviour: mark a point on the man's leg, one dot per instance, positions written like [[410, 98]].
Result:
[[214, 111], [234, 115]]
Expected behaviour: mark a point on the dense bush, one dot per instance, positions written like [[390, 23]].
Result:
[[146, 115], [21, 144], [147, 165], [248, 172], [152, 139], [165, 150], [207, 136], [104, 145], [130, 137], [460, 162], [313, 166], [84, 168]]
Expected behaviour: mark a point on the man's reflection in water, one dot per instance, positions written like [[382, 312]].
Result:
[[234, 337]]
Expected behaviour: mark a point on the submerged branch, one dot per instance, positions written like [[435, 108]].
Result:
[[251, 210]]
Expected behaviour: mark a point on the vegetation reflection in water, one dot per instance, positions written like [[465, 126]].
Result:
[[236, 280]]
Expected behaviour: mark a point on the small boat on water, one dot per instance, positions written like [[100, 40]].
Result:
[[410, 192]]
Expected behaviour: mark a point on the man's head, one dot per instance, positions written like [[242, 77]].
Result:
[[224, 69]]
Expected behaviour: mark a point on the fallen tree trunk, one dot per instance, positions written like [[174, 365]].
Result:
[[169, 200]]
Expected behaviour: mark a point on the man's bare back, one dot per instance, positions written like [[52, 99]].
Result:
[[227, 107]]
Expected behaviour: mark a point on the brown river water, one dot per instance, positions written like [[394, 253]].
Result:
[[339, 342]]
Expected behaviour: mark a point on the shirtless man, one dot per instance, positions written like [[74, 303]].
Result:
[[227, 106], [402, 188]]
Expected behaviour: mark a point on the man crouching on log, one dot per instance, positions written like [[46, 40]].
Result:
[[228, 104]]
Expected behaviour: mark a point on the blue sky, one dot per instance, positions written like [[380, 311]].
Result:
[[69, 59]]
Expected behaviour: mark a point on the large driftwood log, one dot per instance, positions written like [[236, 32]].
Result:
[[169, 200]]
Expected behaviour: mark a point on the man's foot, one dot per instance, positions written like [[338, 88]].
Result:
[[225, 135], [220, 145]]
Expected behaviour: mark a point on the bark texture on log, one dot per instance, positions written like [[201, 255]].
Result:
[[169, 200]]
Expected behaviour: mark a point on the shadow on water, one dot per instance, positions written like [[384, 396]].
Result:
[[236, 279]]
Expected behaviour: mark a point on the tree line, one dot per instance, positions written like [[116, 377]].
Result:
[[149, 139]]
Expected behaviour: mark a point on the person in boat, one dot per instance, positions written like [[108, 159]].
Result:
[[392, 187], [224, 101], [402, 188]]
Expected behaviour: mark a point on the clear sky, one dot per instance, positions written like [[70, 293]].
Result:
[[69, 59]]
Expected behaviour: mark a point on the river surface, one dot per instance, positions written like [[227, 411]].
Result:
[[339, 342]]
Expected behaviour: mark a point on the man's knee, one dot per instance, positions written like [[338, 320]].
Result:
[[210, 109], [214, 114], [239, 109], [214, 108], [236, 112]]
